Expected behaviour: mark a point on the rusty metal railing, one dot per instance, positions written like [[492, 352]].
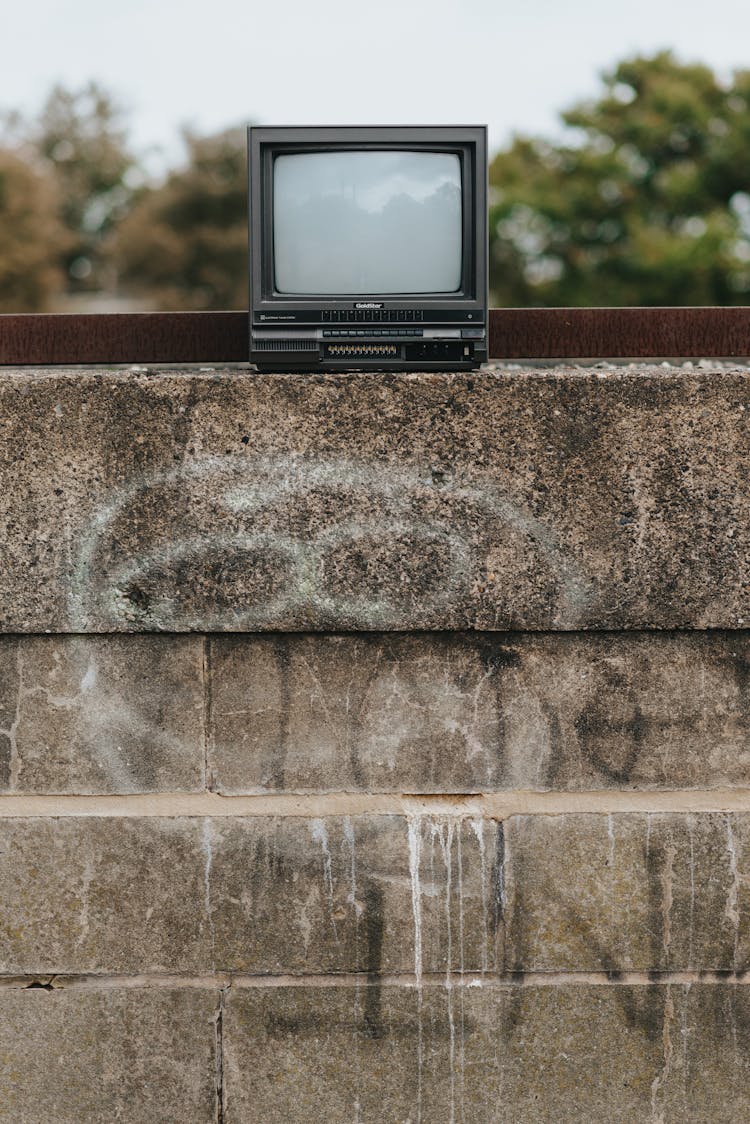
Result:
[[515, 333]]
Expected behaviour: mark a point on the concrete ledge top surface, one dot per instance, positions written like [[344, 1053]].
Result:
[[601, 370], [201, 499]]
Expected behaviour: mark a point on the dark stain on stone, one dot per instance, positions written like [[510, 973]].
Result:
[[402, 568], [654, 864], [599, 730], [266, 867], [289, 1026], [5, 753], [497, 657], [643, 1008], [373, 1016], [354, 716], [144, 765], [740, 666], [556, 760], [497, 901], [606, 957], [575, 433], [278, 755], [208, 579], [511, 1012], [139, 598], [739, 1015]]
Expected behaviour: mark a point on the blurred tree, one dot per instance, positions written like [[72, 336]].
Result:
[[184, 245], [80, 135], [31, 236], [648, 202]]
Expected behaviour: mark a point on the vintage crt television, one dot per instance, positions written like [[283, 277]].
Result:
[[368, 247]]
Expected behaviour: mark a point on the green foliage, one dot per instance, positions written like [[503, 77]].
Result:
[[31, 237], [184, 246], [81, 137], [647, 201]]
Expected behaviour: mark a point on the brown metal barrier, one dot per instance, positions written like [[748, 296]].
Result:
[[515, 333]]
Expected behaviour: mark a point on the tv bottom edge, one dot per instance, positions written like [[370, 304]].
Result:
[[417, 355]]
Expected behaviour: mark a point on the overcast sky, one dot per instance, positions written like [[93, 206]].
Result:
[[512, 66]]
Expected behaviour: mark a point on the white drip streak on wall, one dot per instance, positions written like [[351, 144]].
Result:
[[415, 855]]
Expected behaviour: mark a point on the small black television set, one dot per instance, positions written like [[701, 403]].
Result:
[[368, 247]]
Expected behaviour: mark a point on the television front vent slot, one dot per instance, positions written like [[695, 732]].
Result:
[[285, 345]]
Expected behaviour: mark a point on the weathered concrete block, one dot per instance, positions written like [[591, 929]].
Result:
[[375, 894], [369, 713], [641, 892], [233, 501], [370, 894], [131, 1055], [472, 712], [259, 895], [115, 714], [103, 896], [489, 1056]]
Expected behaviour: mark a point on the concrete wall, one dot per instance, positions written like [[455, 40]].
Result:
[[375, 748]]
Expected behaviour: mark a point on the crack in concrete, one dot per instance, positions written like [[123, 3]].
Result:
[[657, 1114], [224, 981], [219, 1058]]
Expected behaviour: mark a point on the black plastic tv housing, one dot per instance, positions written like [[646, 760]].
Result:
[[368, 247]]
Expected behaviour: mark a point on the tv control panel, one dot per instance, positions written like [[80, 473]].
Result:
[[395, 338], [371, 316]]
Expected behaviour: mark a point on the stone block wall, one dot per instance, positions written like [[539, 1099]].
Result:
[[375, 748]]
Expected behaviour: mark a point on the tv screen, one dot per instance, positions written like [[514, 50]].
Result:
[[362, 222]]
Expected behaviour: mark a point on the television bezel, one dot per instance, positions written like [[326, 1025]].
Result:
[[468, 142]]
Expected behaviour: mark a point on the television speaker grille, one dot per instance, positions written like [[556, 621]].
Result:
[[285, 345]]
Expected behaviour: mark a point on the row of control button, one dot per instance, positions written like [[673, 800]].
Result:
[[376, 333], [371, 315]]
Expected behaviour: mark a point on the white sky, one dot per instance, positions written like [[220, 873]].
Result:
[[210, 64]]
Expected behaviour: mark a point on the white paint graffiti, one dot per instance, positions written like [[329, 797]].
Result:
[[258, 511], [441, 837]]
